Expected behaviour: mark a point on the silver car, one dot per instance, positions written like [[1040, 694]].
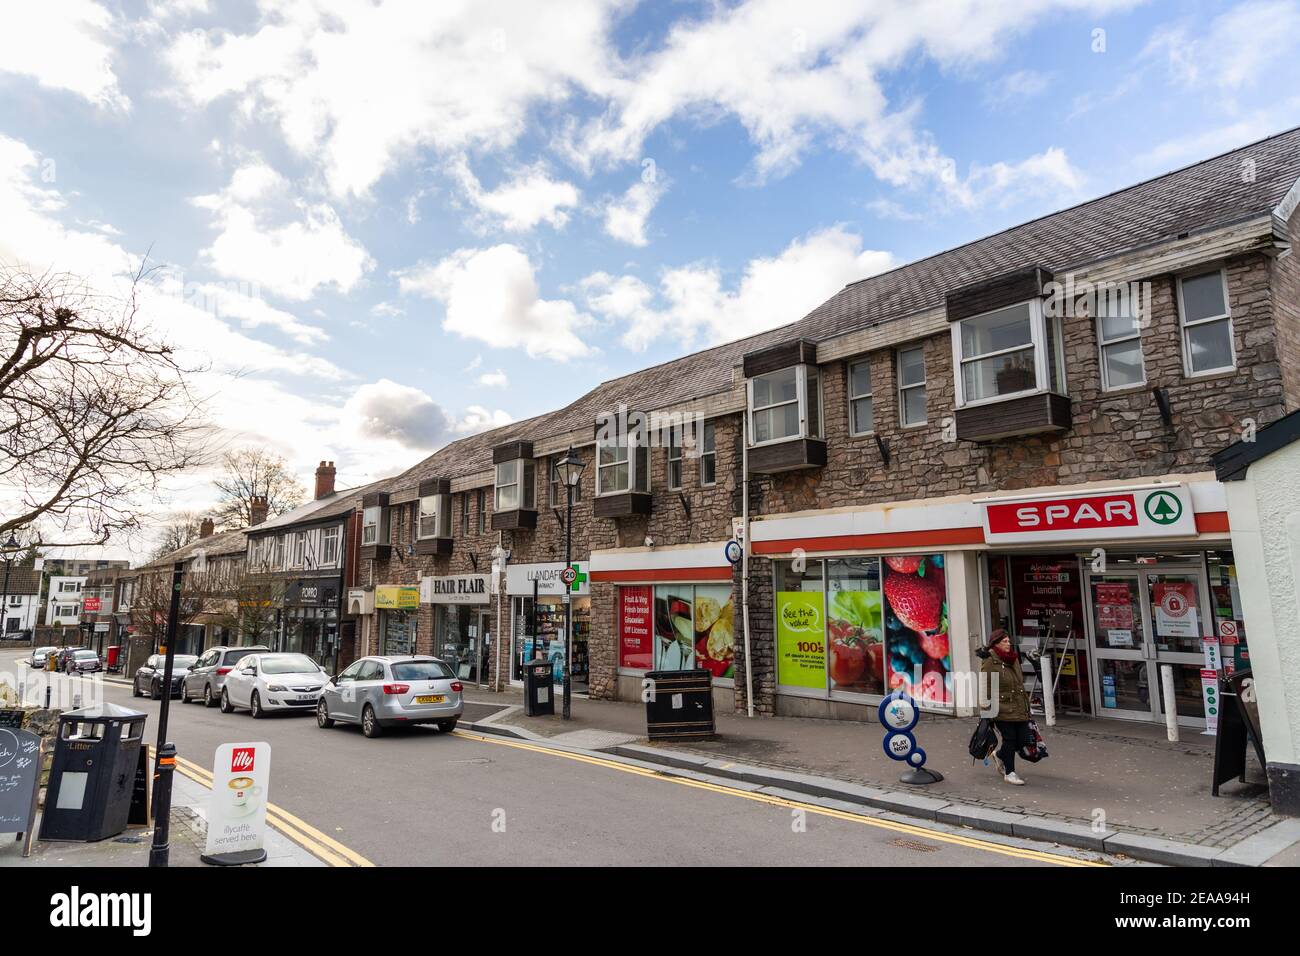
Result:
[[263, 683], [381, 692], [40, 658], [206, 678]]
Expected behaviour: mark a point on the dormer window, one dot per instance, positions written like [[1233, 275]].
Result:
[[1006, 353], [785, 405]]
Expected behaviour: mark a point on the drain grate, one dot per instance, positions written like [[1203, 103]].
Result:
[[914, 845]]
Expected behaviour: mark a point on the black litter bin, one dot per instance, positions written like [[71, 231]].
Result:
[[679, 705], [539, 691], [93, 774]]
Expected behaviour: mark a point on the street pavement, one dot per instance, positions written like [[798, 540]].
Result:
[[419, 797]]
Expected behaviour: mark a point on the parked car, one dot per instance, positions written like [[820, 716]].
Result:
[[382, 692], [267, 682], [83, 662], [149, 678], [205, 679], [61, 662], [40, 658]]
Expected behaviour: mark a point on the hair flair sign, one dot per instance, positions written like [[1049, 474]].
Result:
[[456, 589], [1095, 515]]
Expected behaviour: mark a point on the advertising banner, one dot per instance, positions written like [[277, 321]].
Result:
[[241, 776], [520, 579], [453, 589], [800, 639], [635, 627], [916, 627], [1095, 516], [397, 598]]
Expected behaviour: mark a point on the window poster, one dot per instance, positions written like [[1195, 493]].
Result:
[[800, 639], [715, 630], [635, 628], [855, 626], [674, 627], [1042, 585], [916, 627]]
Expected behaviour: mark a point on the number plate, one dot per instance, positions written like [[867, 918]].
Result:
[[431, 699]]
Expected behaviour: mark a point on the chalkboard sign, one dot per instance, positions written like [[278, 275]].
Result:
[[11, 718], [20, 774]]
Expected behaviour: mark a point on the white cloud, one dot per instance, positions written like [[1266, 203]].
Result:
[[387, 309], [626, 217], [248, 309], [479, 419], [1234, 51], [491, 295], [400, 413], [890, 209], [292, 259], [497, 379], [529, 197], [1019, 85], [63, 45], [363, 85], [772, 291]]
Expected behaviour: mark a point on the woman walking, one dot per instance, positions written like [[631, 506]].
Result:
[[1012, 717]]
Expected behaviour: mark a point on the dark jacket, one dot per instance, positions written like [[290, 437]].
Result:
[[1013, 702]]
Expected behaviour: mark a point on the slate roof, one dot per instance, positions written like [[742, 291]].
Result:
[[341, 502], [24, 581], [1206, 195], [215, 545]]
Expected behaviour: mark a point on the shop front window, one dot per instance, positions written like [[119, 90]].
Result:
[[694, 627], [1228, 621], [399, 631], [855, 626]]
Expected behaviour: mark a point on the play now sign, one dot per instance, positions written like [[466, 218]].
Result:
[[1105, 515]]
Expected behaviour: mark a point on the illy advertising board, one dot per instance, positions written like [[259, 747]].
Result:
[[1095, 515], [241, 775], [520, 578]]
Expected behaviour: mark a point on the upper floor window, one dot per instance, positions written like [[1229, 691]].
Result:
[[622, 464], [674, 458], [299, 549], [785, 404], [66, 587], [329, 546], [709, 456], [1008, 352], [435, 517], [277, 561], [464, 513], [1207, 323], [370, 518], [515, 485], [482, 510], [861, 414], [911, 386], [1119, 336]]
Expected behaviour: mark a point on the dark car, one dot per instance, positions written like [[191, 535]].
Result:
[[83, 662], [149, 678], [64, 653]]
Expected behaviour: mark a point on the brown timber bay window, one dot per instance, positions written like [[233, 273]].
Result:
[[622, 473], [784, 408], [375, 526], [432, 511], [515, 487]]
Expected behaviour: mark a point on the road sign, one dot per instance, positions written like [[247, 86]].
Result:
[[733, 552], [568, 576]]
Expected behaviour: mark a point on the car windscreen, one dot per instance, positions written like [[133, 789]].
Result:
[[421, 670], [288, 664], [85, 655]]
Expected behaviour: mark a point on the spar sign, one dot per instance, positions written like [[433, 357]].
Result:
[[1106, 515]]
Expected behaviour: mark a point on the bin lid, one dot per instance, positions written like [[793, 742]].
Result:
[[105, 711]]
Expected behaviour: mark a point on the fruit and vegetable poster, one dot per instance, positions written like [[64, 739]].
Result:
[[800, 639], [715, 630], [635, 634], [855, 626], [674, 628], [916, 627]]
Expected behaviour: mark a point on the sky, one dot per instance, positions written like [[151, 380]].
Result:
[[386, 224]]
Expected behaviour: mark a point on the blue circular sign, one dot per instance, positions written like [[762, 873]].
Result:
[[733, 551], [899, 745], [898, 712]]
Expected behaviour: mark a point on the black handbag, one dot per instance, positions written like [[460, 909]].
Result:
[[983, 741]]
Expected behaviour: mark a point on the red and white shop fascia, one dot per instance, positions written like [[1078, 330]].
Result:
[[1187, 511]]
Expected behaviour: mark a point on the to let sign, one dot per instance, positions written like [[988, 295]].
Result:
[[1096, 516], [91, 604]]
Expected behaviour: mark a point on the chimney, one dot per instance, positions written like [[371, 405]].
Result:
[[206, 527], [257, 508], [324, 479]]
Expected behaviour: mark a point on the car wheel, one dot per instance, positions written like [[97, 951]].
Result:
[[208, 699], [323, 719], [226, 706], [447, 726], [135, 688], [155, 691], [255, 707], [370, 723]]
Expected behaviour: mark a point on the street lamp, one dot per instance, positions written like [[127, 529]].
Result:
[[569, 471], [10, 549]]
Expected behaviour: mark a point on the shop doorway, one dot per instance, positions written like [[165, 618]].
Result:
[[1138, 620]]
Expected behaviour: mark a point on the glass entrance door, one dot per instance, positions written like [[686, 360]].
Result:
[[1140, 619]]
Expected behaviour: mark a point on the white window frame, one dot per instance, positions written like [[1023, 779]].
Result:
[[1037, 341], [1184, 325], [924, 383], [441, 515], [867, 395], [277, 551], [801, 399], [330, 539], [1104, 343], [630, 446], [525, 485], [299, 552], [709, 437], [370, 529], [674, 445]]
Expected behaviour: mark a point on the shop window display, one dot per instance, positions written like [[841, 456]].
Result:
[[916, 627], [695, 628], [855, 626]]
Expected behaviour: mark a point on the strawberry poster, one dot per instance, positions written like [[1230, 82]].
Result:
[[916, 627], [800, 639]]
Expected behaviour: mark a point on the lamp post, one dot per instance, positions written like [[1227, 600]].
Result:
[[569, 471], [10, 548]]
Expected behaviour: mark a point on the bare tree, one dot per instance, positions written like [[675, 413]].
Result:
[[152, 595], [95, 410], [176, 532], [255, 606], [248, 473]]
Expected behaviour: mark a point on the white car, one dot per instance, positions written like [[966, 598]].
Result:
[[261, 683]]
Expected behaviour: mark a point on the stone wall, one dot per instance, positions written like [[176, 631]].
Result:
[[1286, 313]]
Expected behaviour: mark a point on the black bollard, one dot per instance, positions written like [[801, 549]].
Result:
[[164, 767]]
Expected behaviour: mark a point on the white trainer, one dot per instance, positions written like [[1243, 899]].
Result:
[[1013, 779]]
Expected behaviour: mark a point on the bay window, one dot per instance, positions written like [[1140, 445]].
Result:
[[515, 481], [1207, 323], [784, 405], [435, 517], [622, 465], [1011, 351], [371, 519]]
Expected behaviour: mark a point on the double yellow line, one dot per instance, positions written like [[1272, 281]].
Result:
[[940, 836], [319, 844]]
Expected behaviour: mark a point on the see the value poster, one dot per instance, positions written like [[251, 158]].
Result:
[[800, 639]]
